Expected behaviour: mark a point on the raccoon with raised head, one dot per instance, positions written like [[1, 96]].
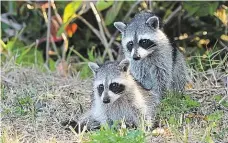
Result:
[[116, 97], [154, 62]]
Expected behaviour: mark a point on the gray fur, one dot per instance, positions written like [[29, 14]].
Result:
[[162, 67], [153, 22], [120, 26], [132, 104], [94, 67], [179, 73]]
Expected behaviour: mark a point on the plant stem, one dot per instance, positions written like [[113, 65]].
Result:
[[104, 39], [48, 32]]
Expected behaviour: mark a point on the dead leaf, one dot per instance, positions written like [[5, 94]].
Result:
[[62, 68], [188, 86], [71, 29], [204, 56], [221, 14], [192, 115], [224, 37], [182, 49], [204, 41], [54, 26], [162, 131]]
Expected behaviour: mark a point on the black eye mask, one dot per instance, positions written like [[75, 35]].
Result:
[[116, 87], [100, 89], [146, 43], [130, 46]]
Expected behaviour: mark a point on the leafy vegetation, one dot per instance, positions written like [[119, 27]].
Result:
[[111, 135], [175, 105], [176, 114], [75, 30]]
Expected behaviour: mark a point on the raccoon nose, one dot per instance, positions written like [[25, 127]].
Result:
[[106, 100], [136, 57]]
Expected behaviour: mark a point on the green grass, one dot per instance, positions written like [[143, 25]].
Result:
[[172, 114], [175, 105], [186, 118], [179, 115], [112, 135], [218, 98]]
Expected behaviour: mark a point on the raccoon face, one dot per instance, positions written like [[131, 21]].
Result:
[[141, 37], [109, 84], [140, 49], [110, 93]]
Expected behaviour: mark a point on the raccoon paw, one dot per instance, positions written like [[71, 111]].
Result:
[[79, 127], [131, 125], [73, 124]]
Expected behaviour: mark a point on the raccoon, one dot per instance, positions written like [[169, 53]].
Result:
[[154, 62], [117, 97]]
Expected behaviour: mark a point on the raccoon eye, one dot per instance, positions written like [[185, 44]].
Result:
[[130, 46], [100, 89], [116, 87], [146, 43]]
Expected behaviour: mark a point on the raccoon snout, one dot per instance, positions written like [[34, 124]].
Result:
[[106, 100], [136, 57]]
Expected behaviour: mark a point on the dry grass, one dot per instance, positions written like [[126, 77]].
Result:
[[34, 103]]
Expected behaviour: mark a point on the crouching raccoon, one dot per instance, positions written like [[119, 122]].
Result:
[[117, 96]]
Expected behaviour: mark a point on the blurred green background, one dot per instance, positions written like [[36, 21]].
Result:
[[82, 31]]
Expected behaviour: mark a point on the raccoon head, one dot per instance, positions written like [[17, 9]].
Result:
[[141, 36], [109, 80]]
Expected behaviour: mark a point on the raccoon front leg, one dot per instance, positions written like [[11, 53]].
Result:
[[150, 114], [179, 77], [118, 124], [163, 79], [148, 123], [87, 120]]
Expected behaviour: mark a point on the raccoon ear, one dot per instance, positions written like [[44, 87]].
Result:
[[153, 22], [93, 66], [120, 26], [124, 65]]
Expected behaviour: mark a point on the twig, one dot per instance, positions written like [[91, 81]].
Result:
[[79, 55], [65, 46], [130, 11], [173, 14], [94, 30], [9, 22], [37, 43], [150, 5], [100, 34], [66, 43], [54, 22], [59, 19], [226, 96], [54, 47], [224, 45], [107, 33], [125, 17], [48, 31], [104, 40], [111, 41]]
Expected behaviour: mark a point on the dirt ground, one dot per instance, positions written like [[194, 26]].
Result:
[[34, 103]]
